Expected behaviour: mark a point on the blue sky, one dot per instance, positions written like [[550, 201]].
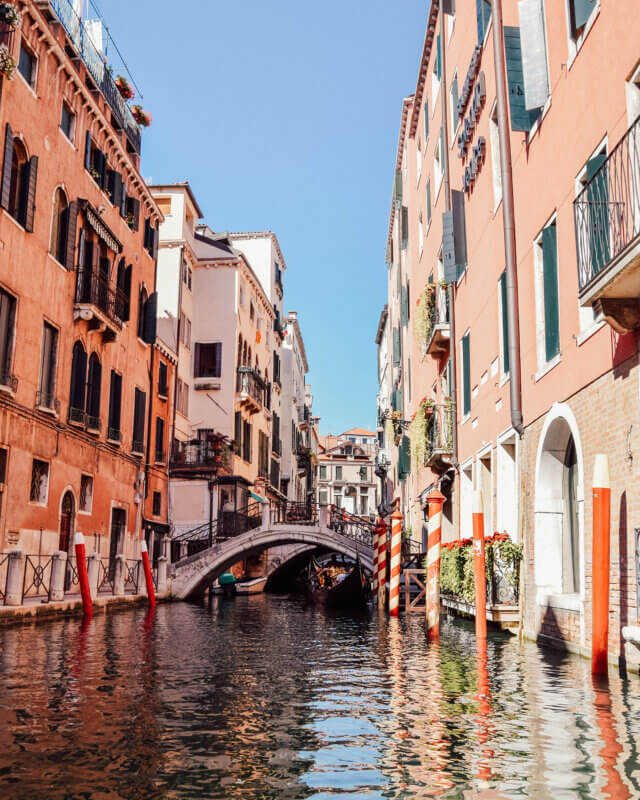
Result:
[[284, 115]]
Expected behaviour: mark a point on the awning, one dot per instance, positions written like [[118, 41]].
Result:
[[95, 222], [257, 497]]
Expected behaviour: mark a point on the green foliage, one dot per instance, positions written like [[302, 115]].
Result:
[[422, 317], [456, 567]]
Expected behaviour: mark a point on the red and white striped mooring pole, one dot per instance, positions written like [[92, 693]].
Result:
[[480, 579], [436, 500], [601, 562], [396, 556], [382, 564], [147, 574], [83, 575], [374, 579]]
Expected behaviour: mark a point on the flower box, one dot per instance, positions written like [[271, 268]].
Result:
[[124, 87], [7, 62], [141, 116], [10, 16]]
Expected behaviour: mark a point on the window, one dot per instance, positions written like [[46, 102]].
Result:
[[483, 17], [437, 68], [185, 330], [426, 122], [338, 473], [364, 504], [164, 204], [4, 454], [420, 235], [454, 104], [130, 210], [123, 291], [263, 455], [77, 391], [252, 312], [247, 428], [580, 15], [633, 97], [142, 300], [47, 383], [163, 388], [419, 161], [58, 243], [68, 122], [323, 473], [95, 162], [150, 238], [160, 456], [428, 200], [94, 381], [337, 500], [466, 375], [7, 326], [496, 172], [241, 295], [140, 401], [86, 493], [39, 482], [115, 406], [28, 65], [237, 432], [208, 360], [157, 504], [438, 161], [503, 323], [322, 497], [546, 285], [182, 399], [19, 176]]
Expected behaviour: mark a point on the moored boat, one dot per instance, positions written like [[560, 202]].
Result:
[[350, 592]]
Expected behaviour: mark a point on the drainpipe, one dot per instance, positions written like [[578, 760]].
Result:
[[447, 206], [508, 216]]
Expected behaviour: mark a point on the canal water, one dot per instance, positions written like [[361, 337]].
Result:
[[264, 697]]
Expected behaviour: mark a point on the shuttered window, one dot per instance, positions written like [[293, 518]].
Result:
[[237, 432], [483, 16], [426, 121], [396, 346], [47, 385], [160, 457], [504, 323], [404, 305], [579, 12], [598, 205], [404, 458], [94, 384], [550, 292], [466, 375], [404, 227], [140, 402], [208, 360], [429, 201], [78, 383], [246, 441], [7, 326], [115, 406], [454, 102], [438, 64], [533, 40], [521, 118]]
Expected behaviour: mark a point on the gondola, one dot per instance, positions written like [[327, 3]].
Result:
[[352, 592]]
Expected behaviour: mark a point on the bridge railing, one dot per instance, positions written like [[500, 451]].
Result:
[[291, 513], [358, 528], [227, 525]]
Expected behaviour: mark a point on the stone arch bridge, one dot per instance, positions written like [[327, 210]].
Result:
[[217, 547]]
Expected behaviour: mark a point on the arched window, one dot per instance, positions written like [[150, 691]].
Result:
[[141, 304], [59, 226], [18, 186], [78, 382], [244, 355], [18, 191], [93, 393], [240, 350]]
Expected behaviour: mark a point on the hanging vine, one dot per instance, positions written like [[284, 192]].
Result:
[[423, 316], [419, 431]]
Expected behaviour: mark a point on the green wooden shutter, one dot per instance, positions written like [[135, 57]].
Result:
[[550, 284], [404, 458], [483, 15], [429, 201], [582, 10], [404, 306], [404, 223], [426, 121], [598, 205], [396, 346], [466, 376], [505, 323], [454, 101], [521, 119], [399, 281], [438, 58]]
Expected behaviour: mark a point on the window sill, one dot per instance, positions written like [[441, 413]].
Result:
[[538, 122], [137, 453], [548, 367], [465, 418], [206, 384], [504, 379], [497, 206], [84, 513], [38, 504], [50, 411], [15, 221], [72, 145], [577, 45], [27, 84], [57, 263], [7, 390], [114, 442], [581, 338]]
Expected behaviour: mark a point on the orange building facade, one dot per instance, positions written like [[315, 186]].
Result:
[[83, 424], [513, 293]]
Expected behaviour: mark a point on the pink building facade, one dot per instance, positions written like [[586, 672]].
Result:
[[517, 216]]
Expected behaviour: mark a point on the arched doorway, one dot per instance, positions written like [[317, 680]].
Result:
[[67, 519], [559, 502]]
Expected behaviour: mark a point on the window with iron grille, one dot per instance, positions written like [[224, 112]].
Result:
[[86, 493], [39, 482], [157, 504], [246, 441], [163, 388]]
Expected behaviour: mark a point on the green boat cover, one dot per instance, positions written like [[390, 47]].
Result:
[[226, 577]]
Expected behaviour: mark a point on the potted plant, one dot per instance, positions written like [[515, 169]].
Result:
[[124, 87], [129, 219], [95, 174], [423, 317], [141, 116], [7, 62], [9, 15]]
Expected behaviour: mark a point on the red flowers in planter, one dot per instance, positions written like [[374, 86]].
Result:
[[125, 88], [141, 116], [491, 539]]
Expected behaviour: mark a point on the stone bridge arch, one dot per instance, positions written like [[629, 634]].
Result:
[[192, 575]]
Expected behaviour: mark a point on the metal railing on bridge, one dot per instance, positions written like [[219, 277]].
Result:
[[358, 528], [227, 525]]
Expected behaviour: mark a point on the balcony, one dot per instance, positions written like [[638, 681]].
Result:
[[250, 388], [607, 231], [99, 303], [137, 447], [440, 328], [200, 456], [114, 436], [439, 449], [81, 45]]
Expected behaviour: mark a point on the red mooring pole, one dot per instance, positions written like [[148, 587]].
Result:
[[83, 575], [396, 567], [478, 566], [601, 562], [436, 500], [147, 574]]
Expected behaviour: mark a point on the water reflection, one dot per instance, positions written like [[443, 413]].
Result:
[[267, 698]]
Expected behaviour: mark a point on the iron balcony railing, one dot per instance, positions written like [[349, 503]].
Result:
[[94, 289], [47, 400], [607, 210], [440, 308], [250, 382], [439, 432], [98, 68], [197, 453], [137, 446], [93, 424], [76, 415], [114, 435]]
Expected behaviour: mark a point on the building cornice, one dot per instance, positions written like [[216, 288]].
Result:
[[429, 36]]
